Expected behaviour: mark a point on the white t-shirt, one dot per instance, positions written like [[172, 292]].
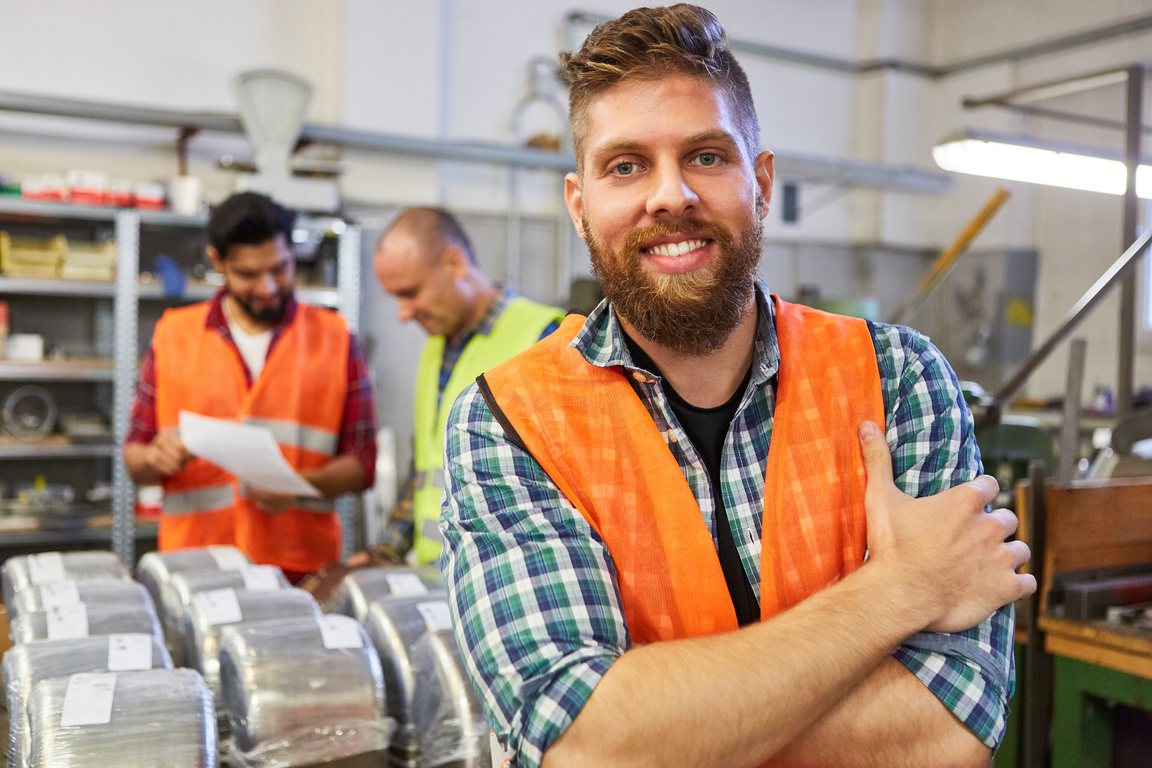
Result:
[[253, 347]]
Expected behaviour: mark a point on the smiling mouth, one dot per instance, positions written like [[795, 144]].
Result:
[[675, 249]]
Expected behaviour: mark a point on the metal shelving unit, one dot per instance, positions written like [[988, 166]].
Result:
[[126, 294]]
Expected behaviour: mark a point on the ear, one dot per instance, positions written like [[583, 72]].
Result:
[[574, 199], [765, 168], [455, 261], [214, 258]]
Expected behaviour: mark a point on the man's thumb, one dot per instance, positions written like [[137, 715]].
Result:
[[877, 460]]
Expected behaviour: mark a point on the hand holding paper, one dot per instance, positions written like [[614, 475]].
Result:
[[246, 451]]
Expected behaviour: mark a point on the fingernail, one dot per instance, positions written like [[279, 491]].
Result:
[[868, 431]]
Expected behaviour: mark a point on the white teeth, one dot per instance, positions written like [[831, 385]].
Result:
[[676, 249]]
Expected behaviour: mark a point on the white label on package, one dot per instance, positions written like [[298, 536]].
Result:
[[436, 615], [46, 567], [340, 632], [220, 606], [59, 593], [67, 622], [501, 758], [405, 584], [228, 558], [88, 700], [260, 578], [129, 652]]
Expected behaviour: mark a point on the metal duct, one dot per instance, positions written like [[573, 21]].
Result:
[[97, 620], [24, 571], [91, 593], [156, 568], [361, 588], [449, 719]]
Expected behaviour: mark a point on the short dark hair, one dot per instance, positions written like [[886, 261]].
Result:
[[434, 228], [651, 43], [248, 218]]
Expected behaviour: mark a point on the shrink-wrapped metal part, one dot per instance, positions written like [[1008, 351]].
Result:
[[24, 571], [449, 719], [80, 620], [160, 717], [176, 595], [209, 612], [91, 593], [395, 624], [156, 568], [361, 587], [303, 692], [28, 664]]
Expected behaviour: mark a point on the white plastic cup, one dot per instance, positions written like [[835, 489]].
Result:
[[184, 194]]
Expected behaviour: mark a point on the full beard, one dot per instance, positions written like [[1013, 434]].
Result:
[[691, 313], [269, 314]]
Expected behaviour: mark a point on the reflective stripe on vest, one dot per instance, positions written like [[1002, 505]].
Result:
[[593, 436], [298, 435], [199, 500], [518, 327], [300, 394]]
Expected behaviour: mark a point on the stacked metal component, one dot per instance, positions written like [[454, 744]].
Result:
[[91, 593], [176, 595], [79, 620], [304, 691], [123, 719], [27, 665], [452, 728], [395, 624], [20, 573], [361, 588]]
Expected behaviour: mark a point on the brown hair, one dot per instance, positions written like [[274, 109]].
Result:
[[651, 43]]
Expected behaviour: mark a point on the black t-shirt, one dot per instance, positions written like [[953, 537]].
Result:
[[707, 428]]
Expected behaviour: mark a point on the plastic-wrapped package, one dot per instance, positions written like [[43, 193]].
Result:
[[156, 568], [28, 664], [209, 612], [162, 717], [24, 571], [122, 593], [449, 719], [80, 620], [176, 595], [361, 587], [395, 624], [303, 692]]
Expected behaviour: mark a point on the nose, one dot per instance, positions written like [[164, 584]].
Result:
[[266, 285], [670, 193], [405, 310]]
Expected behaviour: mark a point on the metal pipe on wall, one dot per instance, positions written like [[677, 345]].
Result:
[[1133, 134]]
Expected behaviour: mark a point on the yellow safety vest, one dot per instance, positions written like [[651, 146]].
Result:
[[518, 327]]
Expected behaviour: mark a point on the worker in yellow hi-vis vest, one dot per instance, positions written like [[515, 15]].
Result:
[[426, 261]]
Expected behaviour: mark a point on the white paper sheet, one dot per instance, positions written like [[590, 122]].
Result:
[[246, 451]]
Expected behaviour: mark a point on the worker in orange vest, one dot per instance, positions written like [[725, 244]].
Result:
[[704, 526], [255, 355]]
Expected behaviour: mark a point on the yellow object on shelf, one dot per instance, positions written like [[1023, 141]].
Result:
[[32, 257]]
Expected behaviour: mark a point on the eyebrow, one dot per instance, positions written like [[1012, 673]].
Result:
[[699, 138]]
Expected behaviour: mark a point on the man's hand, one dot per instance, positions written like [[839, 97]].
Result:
[[270, 502], [166, 454], [951, 554]]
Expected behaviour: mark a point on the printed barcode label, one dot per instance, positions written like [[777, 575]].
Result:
[[129, 652], [261, 578], [436, 615], [45, 567], [59, 593], [228, 558], [405, 584], [88, 699], [220, 606], [340, 632], [67, 622]]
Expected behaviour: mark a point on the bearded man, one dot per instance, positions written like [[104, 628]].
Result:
[[703, 526]]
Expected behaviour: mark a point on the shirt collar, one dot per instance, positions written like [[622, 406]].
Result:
[[601, 340]]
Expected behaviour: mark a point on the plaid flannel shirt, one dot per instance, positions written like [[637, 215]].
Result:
[[532, 586]]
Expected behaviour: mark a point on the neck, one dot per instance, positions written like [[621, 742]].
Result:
[[705, 381], [237, 314], [483, 292]]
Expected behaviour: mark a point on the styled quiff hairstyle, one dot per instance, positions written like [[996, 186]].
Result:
[[649, 44]]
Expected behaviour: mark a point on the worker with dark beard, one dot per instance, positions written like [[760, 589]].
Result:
[[704, 526]]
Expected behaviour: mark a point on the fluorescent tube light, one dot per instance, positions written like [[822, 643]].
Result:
[[1001, 159]]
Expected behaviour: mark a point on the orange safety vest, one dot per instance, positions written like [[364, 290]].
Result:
[[300, 395], [595, 439]]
